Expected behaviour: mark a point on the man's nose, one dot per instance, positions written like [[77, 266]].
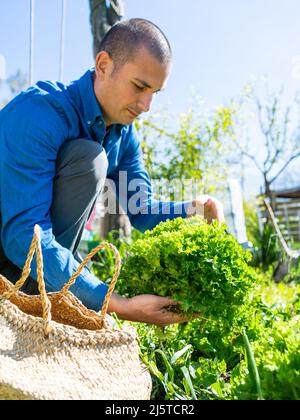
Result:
[[145, 101]]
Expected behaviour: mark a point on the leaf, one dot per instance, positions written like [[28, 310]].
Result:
[[189, 382], [252, 366], [167, 363], [216, 388], [180, 353], [154, 370]]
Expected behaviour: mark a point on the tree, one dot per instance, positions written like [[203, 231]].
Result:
[[280, 145], [193, 158], [277, 125]]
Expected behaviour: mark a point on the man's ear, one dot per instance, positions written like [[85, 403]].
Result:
[[103, 66]]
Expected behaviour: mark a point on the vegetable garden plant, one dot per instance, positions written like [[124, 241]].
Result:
[[197, 264], [245, 344]]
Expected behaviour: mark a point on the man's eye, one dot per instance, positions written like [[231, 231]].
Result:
[[139, 87]]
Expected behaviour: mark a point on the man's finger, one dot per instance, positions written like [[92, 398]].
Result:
[[172, 318], [203, 199], [216, 210], [166, 301]]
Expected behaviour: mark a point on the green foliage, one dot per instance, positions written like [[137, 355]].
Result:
[[220, 364], [294, 270], [267, 251], [197, 140], [274, 333], [179, 368], [197, 264], [277, 355], [208, 359], [196, 150], [266, 248]]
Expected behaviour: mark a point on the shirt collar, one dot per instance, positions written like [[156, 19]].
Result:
[[91, 108]]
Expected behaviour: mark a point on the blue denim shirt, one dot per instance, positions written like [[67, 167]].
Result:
[[33, 127]]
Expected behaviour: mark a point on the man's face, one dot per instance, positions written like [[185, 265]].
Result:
[[129, 92]]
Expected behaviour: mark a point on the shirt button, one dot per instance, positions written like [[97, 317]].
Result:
[[89, 122]]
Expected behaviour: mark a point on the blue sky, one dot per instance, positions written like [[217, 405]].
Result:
[[218, 45]]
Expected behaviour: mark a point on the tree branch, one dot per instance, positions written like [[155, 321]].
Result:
[[293, 157], [263, 129], [245, 153], [271, 143], [283, 142]]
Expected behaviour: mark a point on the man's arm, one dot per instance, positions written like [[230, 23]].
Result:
[[31, 133]]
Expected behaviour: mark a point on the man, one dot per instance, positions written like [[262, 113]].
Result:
[[57, 146]]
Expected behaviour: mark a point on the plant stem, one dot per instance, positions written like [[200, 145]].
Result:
[[252, 366]]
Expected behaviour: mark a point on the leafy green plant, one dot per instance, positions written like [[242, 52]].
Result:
[[209, 358], [177, 370], [227, 364], [266, 248], [219, 363], [199, 265], [277, 357]]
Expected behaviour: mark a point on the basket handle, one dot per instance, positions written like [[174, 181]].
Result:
[[46, 304], [35, 247], [113, 282]]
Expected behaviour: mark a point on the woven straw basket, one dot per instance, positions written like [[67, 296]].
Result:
[[54, 348]]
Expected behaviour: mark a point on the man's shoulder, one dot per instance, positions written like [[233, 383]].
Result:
[[42, 90], [48, 92], [45, 99], [32, 112], [37, 94]]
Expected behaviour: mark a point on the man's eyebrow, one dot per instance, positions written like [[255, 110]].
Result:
[[145, 84]]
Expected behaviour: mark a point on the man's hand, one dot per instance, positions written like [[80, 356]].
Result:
[[208, 207], [150, 309]]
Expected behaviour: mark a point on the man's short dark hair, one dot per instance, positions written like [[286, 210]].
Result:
[[125, 38]]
